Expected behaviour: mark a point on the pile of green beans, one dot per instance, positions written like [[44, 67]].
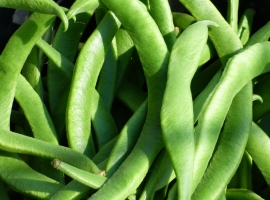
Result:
[[152, 104]]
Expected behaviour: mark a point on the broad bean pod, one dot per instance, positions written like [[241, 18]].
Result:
[[86, 71], [81, 6], [21, 41], [177, 123]]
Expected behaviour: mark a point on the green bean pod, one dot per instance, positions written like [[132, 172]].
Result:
[[36, 113], [91, 180], [232, 14], [17, 143], [161, 12], [223, 37], [261, 108], [107, 78], [86, 71], [231, 82], [44, 7], [66, 43], [258, 147], [19, 176], [241, 194], [32, 71], [182, 20], [177, 123], [245, 25], [154, 56], [172, 195], [81, 6], [261, 35], [231, 144], [245, 172], [22, 41]]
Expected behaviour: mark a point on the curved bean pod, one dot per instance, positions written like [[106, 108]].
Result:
[[44, 7], [261, 35], [66, 43], [86, 71], [211, 120], [232, 143], [177, 123], [154, 56], [232, 14], [17, 143], [92, 180], [81, 6], [21, 41], [235, 194], [182, 20], [245, 25], [258, 147], [19, 176], [36, 113], [161, 12]]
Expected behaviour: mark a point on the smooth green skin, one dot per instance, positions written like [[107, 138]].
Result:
[[3, 191], [85, 75], [126, 139], [232, 14], [125, 48], [231, 144], [66, 43], [154, 55], [20, 44], [131, 95], [245, 172], [182, 20], [17, 143], [258, 147], [177, 122], [19, 176], [99, 113], [32, 71], [107, 77], [232, 81], [91, 180], [36, 113], [241, 194], [73, 190], [261, 108], [81, 6], [261, 35], [44, 7], [160, 11], [245, 25], [223, 37]]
